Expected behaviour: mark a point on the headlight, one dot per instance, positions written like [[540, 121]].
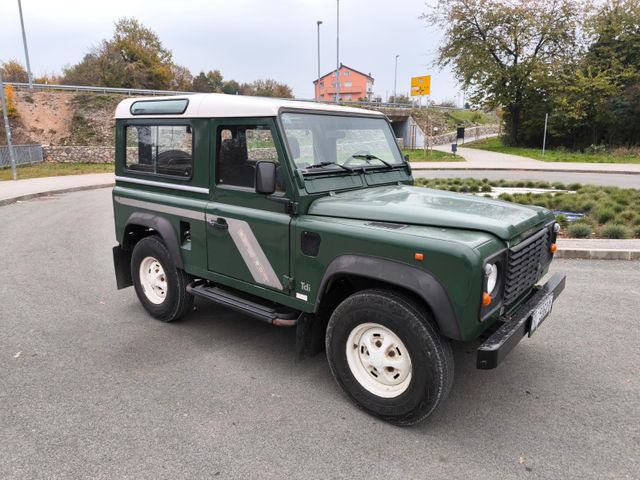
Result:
[[491, 271]]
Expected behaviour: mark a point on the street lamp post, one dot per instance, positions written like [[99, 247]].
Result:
[[337, 51], [319, 22], [7, 129], [26, 50], [395, 82]]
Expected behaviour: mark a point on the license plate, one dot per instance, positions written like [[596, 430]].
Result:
[[540, 313]]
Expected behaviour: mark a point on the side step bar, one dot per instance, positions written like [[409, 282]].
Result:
[[252, 307]]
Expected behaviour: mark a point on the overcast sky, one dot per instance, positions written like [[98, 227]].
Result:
[[244, 39]]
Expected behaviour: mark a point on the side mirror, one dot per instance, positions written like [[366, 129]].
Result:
[[265, 177]]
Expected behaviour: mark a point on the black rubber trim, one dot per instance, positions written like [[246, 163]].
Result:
[[418, 281], [497, 346], [164, 229], [122, 267]]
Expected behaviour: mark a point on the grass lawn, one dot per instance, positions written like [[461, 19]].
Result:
[[418, 155], [609, 212], [38, 170], [496, 145]]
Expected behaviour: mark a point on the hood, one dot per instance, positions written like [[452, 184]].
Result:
[[437, 208]]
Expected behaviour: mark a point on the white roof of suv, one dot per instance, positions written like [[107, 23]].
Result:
[[212, 105]]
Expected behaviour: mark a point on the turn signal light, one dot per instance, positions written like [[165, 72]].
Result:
[[486, 299], [553, 248]]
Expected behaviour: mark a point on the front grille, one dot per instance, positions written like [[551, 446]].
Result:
[[525, 264]]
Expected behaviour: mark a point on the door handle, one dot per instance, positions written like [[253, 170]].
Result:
[[219, 224]]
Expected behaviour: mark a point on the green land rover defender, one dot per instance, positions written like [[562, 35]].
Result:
[[304, 215]]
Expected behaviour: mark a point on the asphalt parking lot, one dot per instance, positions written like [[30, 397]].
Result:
[[90, 386]]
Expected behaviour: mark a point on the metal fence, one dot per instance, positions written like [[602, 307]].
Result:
[[25, 154], [141, 91]]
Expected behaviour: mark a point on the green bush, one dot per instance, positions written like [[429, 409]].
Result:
[[562, 220], [627, 217], [636, 232], [575, 186], [559, 186], [506, 197], [603, 213], [615, 230], [579, 230], [485, 188]]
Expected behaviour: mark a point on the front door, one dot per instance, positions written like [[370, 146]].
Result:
[[247, 232]]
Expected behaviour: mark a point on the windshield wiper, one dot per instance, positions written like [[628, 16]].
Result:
[[327, 164], [369, 157]]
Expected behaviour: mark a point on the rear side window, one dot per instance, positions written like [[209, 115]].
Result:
[[160, 149]]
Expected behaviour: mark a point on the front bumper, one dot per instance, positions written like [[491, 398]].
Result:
[[495, 348]]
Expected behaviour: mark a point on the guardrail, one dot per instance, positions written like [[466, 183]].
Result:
[[83, 88], [142, 91], [25, 154]]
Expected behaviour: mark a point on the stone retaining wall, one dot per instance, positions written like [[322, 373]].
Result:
[[78, 154]]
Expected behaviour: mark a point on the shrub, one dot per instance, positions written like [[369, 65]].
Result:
[[603, 213], [559, 186], [520, 184], [506, 197], [485, 188], [579, 230], [575, 186], [562, 220], [615, 230], [636, 232], [626, 217], [530, 184]]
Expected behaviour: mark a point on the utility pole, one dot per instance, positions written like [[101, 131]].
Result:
[[544, 138], [395, 82], [26, 50], [7, 129], [338, 51], [319, 22]]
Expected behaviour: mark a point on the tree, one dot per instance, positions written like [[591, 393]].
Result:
[[200, 83], [181, 78], [215, 81], [496, 47], [270, 88], [231, 87], [133, 58], [13, 71]]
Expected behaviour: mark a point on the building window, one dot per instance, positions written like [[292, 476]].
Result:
[[346, 73], [348, 84], [159, 149], [321, 84]]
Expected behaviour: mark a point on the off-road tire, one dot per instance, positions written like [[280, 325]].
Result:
[[430, 354], [177, 302]]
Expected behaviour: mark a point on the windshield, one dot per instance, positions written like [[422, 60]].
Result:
[[353, 142]]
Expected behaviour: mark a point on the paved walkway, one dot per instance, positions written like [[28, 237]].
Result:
[[11, 191], [485, 160]]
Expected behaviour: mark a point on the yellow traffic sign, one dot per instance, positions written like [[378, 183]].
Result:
[[420, 86]]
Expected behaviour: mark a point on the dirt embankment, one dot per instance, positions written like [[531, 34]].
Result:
[[64, 118]]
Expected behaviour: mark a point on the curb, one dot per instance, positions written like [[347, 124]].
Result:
[[9, 201], [505, 169], [597, 254]]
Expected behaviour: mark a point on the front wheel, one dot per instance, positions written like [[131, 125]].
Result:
[[388, 357], [160, 285]]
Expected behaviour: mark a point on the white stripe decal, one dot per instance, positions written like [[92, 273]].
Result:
[[153, 183], [252, 254], [158, 207]]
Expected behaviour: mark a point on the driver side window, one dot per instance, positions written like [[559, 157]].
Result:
[[239, 148]]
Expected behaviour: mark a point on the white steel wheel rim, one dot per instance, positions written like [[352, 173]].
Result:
[[379, 360], [153, 280]]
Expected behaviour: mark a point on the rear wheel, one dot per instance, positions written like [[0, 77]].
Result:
[[388, 357], [161, 286]]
